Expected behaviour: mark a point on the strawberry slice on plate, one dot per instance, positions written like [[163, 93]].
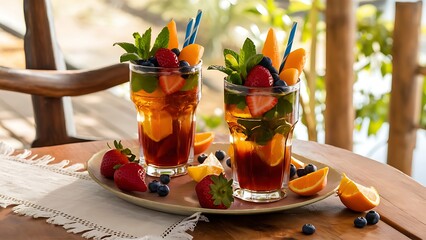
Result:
[[260, 104], [171, 83]]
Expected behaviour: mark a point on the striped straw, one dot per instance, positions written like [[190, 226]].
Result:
[[289, 44], [188, 31], [195, 28]]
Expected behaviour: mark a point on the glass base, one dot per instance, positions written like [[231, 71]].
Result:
[[156, 171], [259, 196]]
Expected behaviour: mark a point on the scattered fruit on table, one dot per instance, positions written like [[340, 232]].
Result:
[[202, 141], [130, 177], [297, 163], [165, 178], [356, 196], [360, 222], [372, 217], [215, 191], [308, 229], [201, 158], [220, 154], [163, 190], [153, 186], [310, 168], [228, 162], [116, 156], [310, 184], [211, 166], [301, 172], [292, 170]]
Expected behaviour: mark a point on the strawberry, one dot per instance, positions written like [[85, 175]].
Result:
[[166, 58], [259, 76], [116, 156], [260, 104], [130, 177], [171, 83], [214, 192]]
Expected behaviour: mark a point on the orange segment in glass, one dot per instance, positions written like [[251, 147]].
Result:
[[309, 184], [273, 152], [202, 142], [356, 196], [158, 126]]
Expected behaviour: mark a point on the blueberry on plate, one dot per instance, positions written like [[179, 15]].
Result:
[[300, 172], [360, 222], [228, 162], [310, 168], [308, 229], [153, 186], [165, 178], [163, 190], [202, 157], [220, 154], [292, 170], [372, 217]]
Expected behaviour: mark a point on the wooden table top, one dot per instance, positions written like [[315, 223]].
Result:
[[402, 207]]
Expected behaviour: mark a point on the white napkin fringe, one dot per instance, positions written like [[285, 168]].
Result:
[[72, 224]]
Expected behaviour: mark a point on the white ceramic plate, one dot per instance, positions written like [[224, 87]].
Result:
[[182, 198]]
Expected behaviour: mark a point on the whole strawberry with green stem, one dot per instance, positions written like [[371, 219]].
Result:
[[115, 156], [130, 177], [214, 192]]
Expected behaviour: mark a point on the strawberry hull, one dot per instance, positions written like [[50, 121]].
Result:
[[166, 100]]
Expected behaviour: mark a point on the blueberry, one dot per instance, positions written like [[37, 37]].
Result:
[[372, 217], [300, 172], [176, 51], [202, 157], [292, 170], [163, 190], [184, 67], [165, 178], [140, 61], [276, 77], [220, 154], [265, 62], [272, 70], [281, 84], [360, 222], [308, 229], [153, 186], [154, 61], [228, 162], [310, 168]]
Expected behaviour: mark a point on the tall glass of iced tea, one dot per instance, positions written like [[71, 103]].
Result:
[[166, 100], [261, 140]]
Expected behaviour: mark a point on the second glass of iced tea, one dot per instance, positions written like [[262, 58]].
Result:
[[261, 144], [166, 121]]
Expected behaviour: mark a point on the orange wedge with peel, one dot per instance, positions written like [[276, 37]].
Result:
[[296, 59], [173, 36], [271, 49], [192, 54], [202, 142], [290, 76], [297, 163], [356, 196], [210, 166], [309, 184]]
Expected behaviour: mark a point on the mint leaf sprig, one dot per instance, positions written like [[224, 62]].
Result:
[[141, 49], [237, 65]]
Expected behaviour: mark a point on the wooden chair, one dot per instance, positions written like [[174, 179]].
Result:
[[49, 83]]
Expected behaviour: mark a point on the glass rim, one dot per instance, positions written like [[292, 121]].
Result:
[[291, 88], [149, 69]]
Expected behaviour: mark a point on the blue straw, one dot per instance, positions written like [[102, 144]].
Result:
[[289, 44], [195, 28], [188, 31]]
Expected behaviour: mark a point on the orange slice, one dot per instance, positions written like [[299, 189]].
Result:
[[271, 49], [173, 36], [158, 126], [356, 196], [273, 152], [297, 163], [290, 76], [192, 54], [296, 59], [202, 141], [309, 184], [210, 166]]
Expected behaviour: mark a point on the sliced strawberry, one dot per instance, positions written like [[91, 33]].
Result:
[[260, 104], [166, 58], [171, 83], [259, 76]]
